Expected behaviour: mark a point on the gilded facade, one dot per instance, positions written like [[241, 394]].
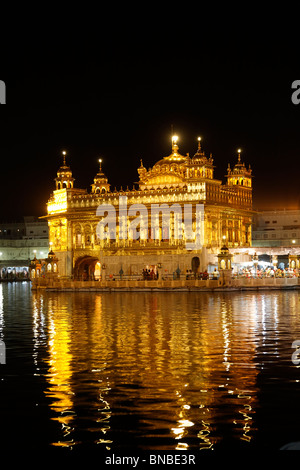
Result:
[[174, 181]]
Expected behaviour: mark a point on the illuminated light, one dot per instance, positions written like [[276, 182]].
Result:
[[59, 202], [177, 430], [182, 446], [174, 139], [185, 423]]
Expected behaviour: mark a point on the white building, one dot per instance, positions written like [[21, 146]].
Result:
[[21, 241], [276, 229]]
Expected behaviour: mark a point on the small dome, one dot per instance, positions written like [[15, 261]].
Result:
[[100, 184], [64, 177]]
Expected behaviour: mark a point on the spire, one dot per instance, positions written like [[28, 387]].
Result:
[[174, 144], [64, 153], [199, 144], [142, 170], [199, 153], [239, 155]]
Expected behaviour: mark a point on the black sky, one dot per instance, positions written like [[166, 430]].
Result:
[[117, 99]]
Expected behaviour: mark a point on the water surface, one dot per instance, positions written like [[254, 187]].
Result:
[[148, 371]]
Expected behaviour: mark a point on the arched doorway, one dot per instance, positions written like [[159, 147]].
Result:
[[97, 272], [87, 268], [195, 264]]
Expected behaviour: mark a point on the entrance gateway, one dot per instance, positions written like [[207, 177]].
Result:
[[87, 268]]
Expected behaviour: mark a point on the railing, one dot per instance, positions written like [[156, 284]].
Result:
[[166, 284]]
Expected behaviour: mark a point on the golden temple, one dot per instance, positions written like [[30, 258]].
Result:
[[175, 181]]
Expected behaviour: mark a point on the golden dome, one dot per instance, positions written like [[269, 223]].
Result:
[[168, 171], [174, 157]]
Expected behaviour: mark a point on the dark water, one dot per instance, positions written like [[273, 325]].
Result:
[[148, 371]]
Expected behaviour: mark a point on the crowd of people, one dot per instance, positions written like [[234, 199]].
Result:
[[270, 271], [201, 275], [245, 272], [149, 274]]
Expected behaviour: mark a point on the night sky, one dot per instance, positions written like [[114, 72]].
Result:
[[118, 100]]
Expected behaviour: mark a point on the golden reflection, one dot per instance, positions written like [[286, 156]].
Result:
[[204, 436], [79, 348], [177, 358], [183, 423], [60, 371]]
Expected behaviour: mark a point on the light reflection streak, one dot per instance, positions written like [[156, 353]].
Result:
[[69, 345], [204, 436], [226, 336], [247, 418], [39, 334], [60, 373]]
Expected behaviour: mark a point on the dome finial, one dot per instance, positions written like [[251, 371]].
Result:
[[239, 155], [174, 143], [64, 153]]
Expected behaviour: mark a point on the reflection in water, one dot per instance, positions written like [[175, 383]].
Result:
[[169, 371], [60, 371], [154, 371]]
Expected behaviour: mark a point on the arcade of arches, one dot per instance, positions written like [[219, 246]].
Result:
[[89, 268]]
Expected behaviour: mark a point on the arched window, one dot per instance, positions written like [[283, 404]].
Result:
[[97, 271]]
